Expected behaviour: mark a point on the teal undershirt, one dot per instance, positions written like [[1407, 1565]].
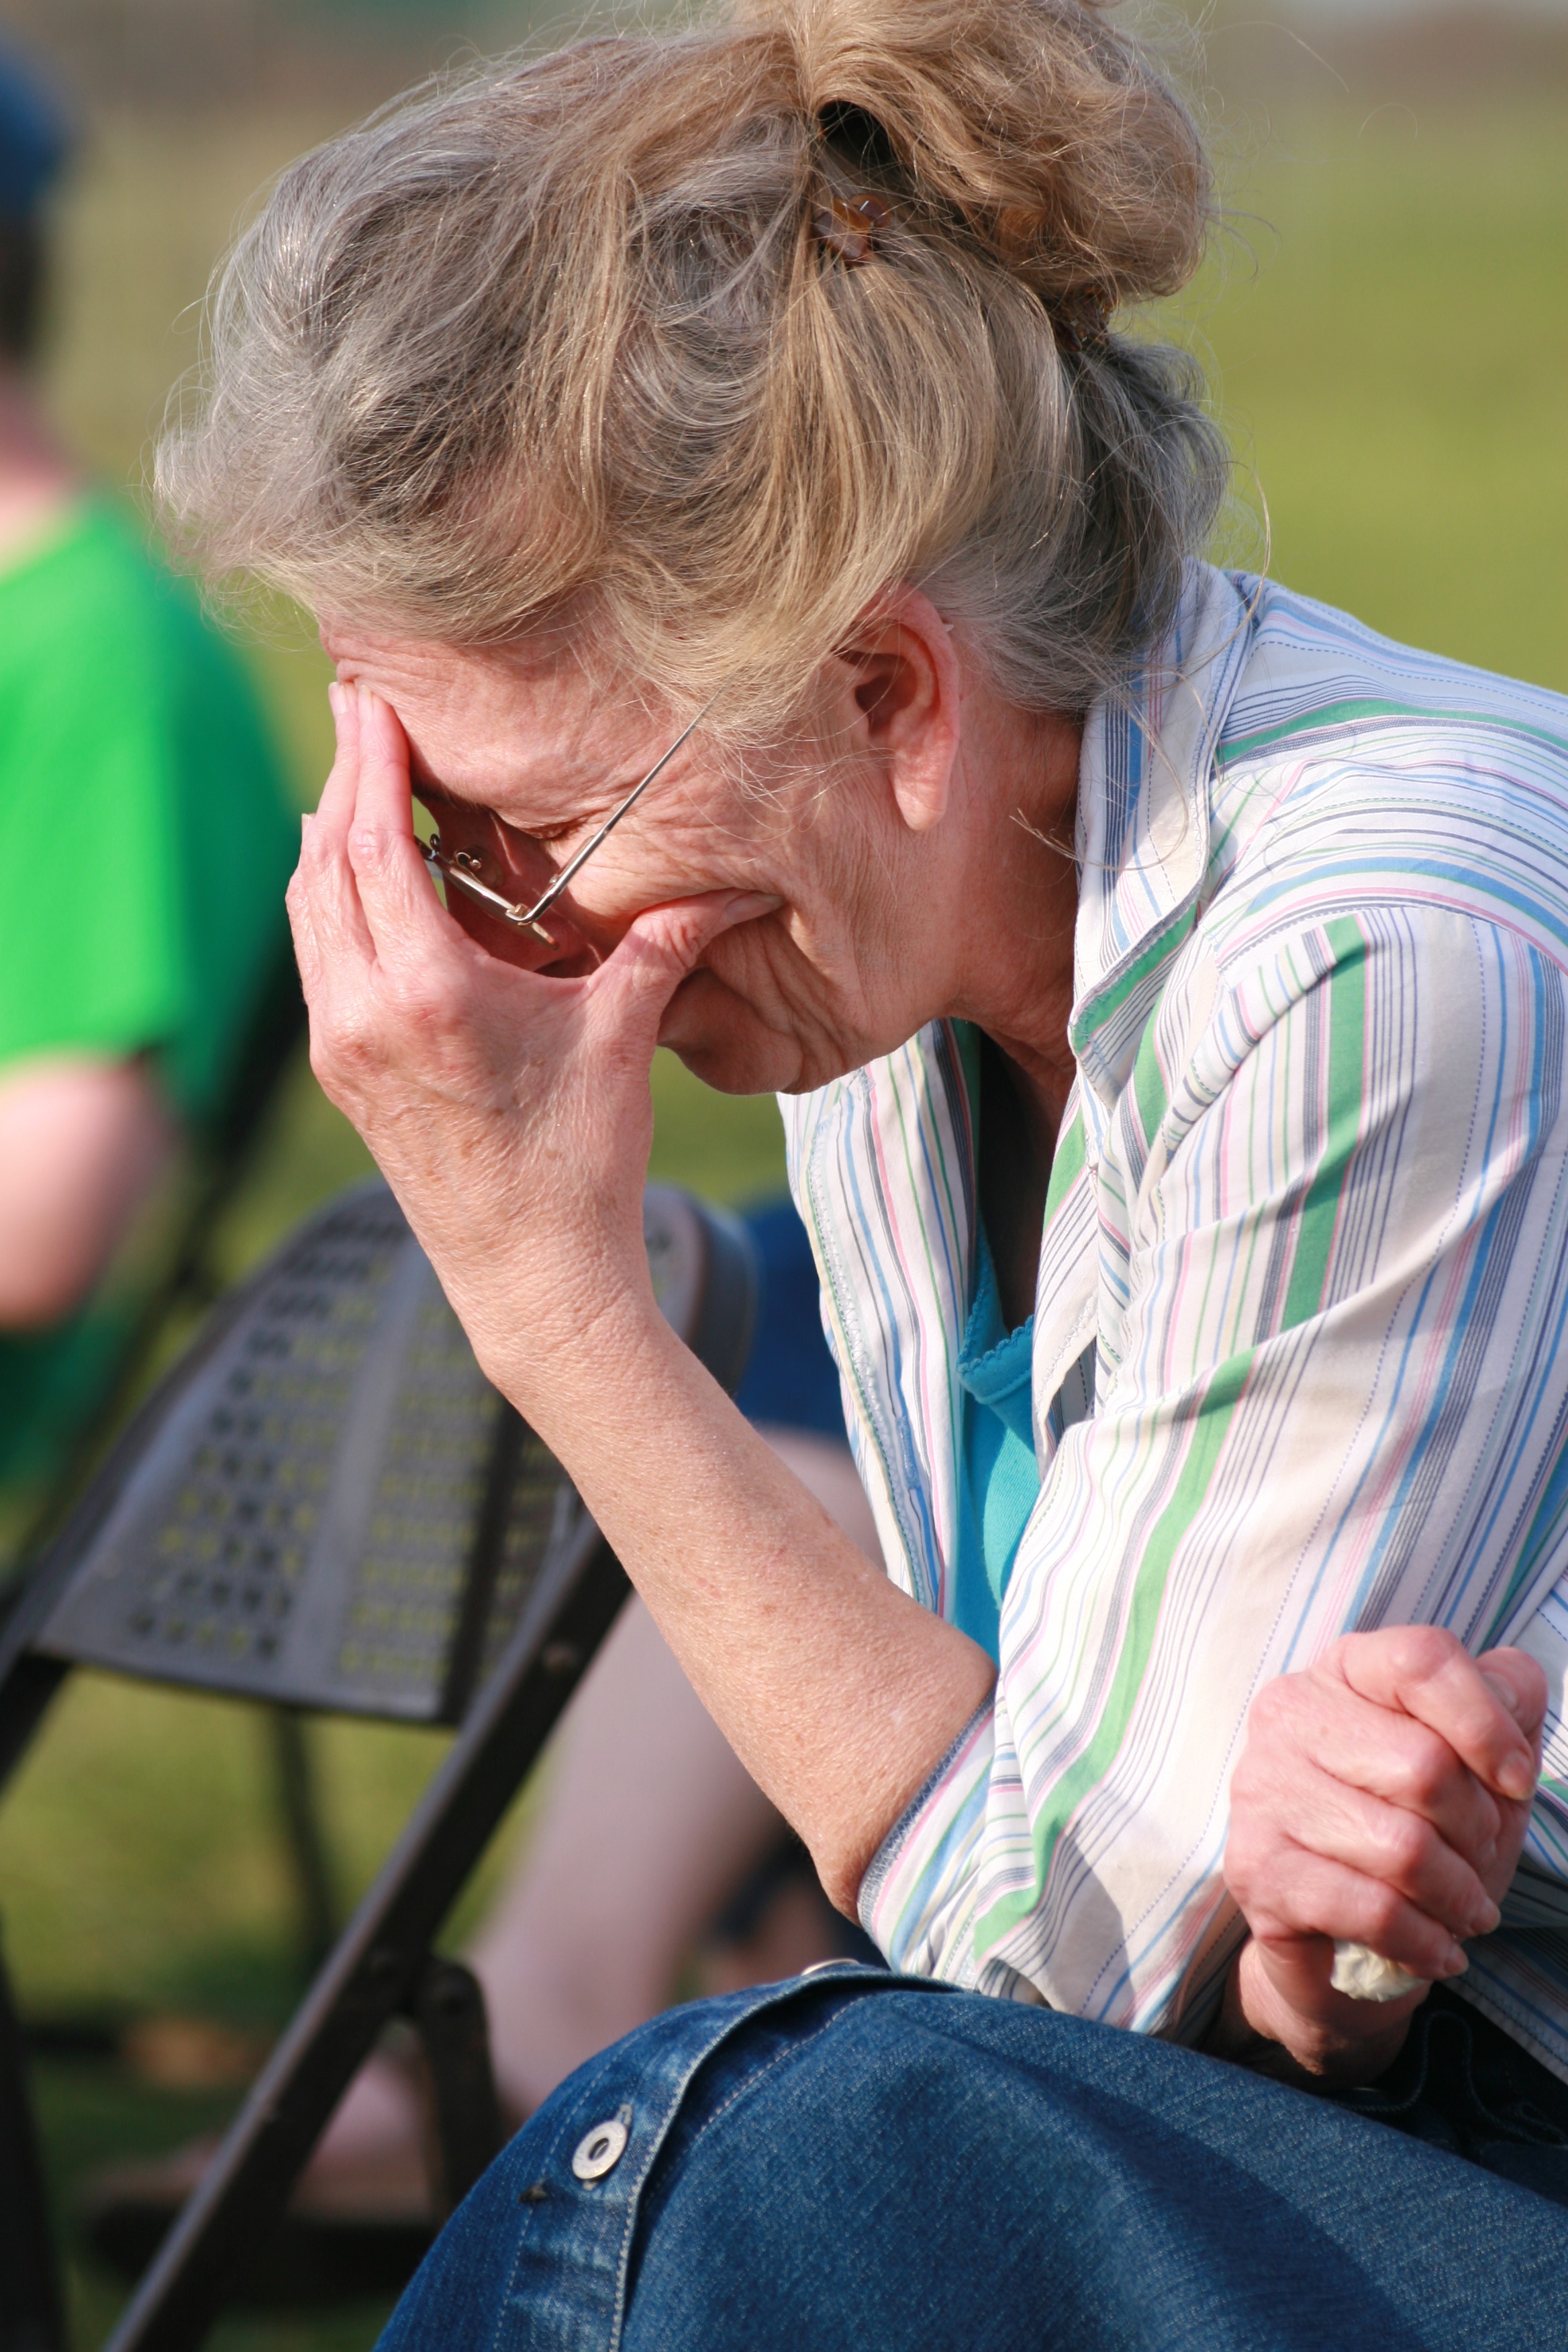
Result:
[[998, 1475]]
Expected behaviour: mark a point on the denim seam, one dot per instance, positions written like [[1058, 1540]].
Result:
[[741, 2090], [782, 1997], [504, 2309]]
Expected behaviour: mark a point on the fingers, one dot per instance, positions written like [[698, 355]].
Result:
[[662, 948], [1323, 1897], [1428, 1675], [1320, 1814], [1519, 1682], [324, 902], [1390, 1756], [403, 916]]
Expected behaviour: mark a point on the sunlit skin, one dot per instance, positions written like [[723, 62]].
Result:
[[900, 858]]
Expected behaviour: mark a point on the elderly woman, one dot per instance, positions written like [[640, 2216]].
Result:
[[738, 509]]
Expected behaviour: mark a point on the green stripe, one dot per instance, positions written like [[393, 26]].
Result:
[[1319, 1211], [1066, 1165], [1149, 1083], [1233, 748], [1212, 1419], [1098, 1007]]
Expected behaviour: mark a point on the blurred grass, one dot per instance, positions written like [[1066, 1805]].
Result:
[[1388, 323], [1389, 340]]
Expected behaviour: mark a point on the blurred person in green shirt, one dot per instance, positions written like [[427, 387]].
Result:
[[147, 843]]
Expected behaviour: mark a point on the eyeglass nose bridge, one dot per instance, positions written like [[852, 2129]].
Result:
[[456, 871]]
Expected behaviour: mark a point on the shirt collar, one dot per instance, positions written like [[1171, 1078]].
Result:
[[1144, 778]]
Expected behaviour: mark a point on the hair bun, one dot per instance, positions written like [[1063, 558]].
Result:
[[1044, 130]]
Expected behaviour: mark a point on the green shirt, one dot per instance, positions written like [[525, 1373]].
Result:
[[148, 841]]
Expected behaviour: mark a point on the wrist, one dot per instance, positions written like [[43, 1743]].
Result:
[[571, 1370], [544, 1320], [1336, 2043]]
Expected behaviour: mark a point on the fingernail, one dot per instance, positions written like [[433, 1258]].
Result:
[[1487, 1855], [748, 904], [1484, 1919], [304, 825], [1516, 1777], [335, 698], [1503, 1692], [1456, 1963]]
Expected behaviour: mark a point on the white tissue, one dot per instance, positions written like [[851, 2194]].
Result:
[[1365, 1975]]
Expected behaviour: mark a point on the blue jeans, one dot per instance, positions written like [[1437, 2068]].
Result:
[[856, 2160]]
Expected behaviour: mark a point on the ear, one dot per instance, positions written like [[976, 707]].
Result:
[[905, 682]]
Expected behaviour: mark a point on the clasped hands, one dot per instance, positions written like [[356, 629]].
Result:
[[1381, 1798]]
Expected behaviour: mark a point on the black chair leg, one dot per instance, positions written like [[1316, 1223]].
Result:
[[449, 2010], [379, 1961], [32, 2312], [303, 1836]]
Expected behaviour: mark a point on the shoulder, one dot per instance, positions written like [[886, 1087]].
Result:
[[99, 600], [1317, 681], [1355, 774]]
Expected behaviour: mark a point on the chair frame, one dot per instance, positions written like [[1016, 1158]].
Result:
[[383, 1965]]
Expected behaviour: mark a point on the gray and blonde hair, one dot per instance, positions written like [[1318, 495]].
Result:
[[559, 342]]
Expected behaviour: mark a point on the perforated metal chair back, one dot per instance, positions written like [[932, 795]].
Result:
[[328, 1504]]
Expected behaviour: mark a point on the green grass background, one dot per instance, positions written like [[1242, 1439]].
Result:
[[1385, 325]]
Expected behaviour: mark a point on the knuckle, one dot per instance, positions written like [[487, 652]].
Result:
[[1383, 1912], [1274, 1707], [430, 1000], [367, 848], [1406, 1845], [1421, 1652], [341, 1042], [1422, 1766]]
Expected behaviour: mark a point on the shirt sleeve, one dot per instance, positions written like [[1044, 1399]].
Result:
[[1331, 1393]]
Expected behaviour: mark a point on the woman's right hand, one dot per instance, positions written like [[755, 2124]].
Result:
[[1381, 1798]]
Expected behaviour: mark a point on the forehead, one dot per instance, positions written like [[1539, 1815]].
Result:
[[533, 737]]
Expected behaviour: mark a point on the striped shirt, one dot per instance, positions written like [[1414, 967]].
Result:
[[1300, 1356]]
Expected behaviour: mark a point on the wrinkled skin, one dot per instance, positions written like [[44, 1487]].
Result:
[[1383, 1797], [898, 861]]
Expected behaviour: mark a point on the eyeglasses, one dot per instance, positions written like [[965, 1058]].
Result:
[[458, 871]]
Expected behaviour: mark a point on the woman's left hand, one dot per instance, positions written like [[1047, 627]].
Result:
[[508, 1110], [1381, 1798]]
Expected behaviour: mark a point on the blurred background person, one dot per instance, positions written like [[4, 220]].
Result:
[[147, 843]]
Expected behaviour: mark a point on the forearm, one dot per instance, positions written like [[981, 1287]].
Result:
[[837, 1692], [82, 1140]]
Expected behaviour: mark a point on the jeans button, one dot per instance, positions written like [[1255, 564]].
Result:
[[599, 2150]]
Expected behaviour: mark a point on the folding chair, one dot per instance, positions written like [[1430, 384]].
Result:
[[326, 1507]]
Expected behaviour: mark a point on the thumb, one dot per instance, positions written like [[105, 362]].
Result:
[[1519, 1684], [665, 944]]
